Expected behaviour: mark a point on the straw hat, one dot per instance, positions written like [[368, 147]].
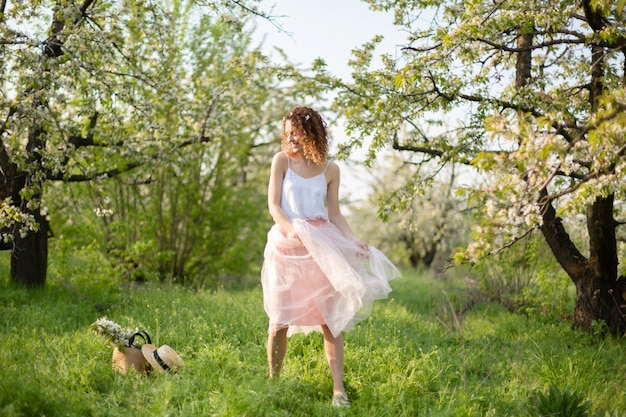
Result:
[[163, 359]]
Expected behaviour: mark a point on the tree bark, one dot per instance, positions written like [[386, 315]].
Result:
[[599, 292], [523, 64], [29, 250], [29, 253], [29, 256]]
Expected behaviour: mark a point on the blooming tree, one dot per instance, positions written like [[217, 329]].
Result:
[[531, 94], [90, 90]]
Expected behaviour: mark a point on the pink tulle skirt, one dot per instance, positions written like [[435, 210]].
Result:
[[326, 279]]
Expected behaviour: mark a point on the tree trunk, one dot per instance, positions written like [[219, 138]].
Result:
[[29, 253], [523, 64], [600, 295], [29, 256], [429, 256], [416, 258], [601, 301]]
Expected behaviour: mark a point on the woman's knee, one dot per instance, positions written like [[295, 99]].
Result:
[[278, 329], [328, 335]]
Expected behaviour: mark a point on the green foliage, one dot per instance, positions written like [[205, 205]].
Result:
[[426, 351], [167, 109], [562, 403], [194, 114], [523, 278]]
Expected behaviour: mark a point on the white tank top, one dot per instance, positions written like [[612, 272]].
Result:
[[304, 198]]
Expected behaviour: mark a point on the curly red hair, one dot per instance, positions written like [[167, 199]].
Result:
[[310, 129]]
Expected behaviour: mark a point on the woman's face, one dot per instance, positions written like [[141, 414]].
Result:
[[292, 140]]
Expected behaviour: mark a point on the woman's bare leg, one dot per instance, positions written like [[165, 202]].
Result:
[[276, 349], [333, 348]]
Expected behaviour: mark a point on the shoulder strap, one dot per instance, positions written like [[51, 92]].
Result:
[[288, 160], [326, 167]]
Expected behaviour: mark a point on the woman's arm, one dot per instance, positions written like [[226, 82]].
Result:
[[274, 191], [332, 204]]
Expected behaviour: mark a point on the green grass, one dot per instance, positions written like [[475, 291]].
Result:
[[420, 354]]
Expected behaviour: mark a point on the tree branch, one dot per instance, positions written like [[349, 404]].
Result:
[[560, 128], [532, 47], [564, 250], [115, 172], [79, 141], [425, 49], [418, 149], [83, 10], [262, 15]]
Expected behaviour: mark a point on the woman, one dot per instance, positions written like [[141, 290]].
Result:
[[317, 274]]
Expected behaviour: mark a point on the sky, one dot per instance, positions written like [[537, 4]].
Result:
[[330, 29]]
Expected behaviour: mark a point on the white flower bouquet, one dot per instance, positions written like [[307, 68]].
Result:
[[114, 334]]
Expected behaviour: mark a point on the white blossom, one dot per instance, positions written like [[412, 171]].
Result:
[[103, 212], [113, 333]]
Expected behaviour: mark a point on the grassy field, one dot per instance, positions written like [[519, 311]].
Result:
[[420, 354]]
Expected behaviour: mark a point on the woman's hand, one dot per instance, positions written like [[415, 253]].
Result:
[[364, 248], [294, 235]]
